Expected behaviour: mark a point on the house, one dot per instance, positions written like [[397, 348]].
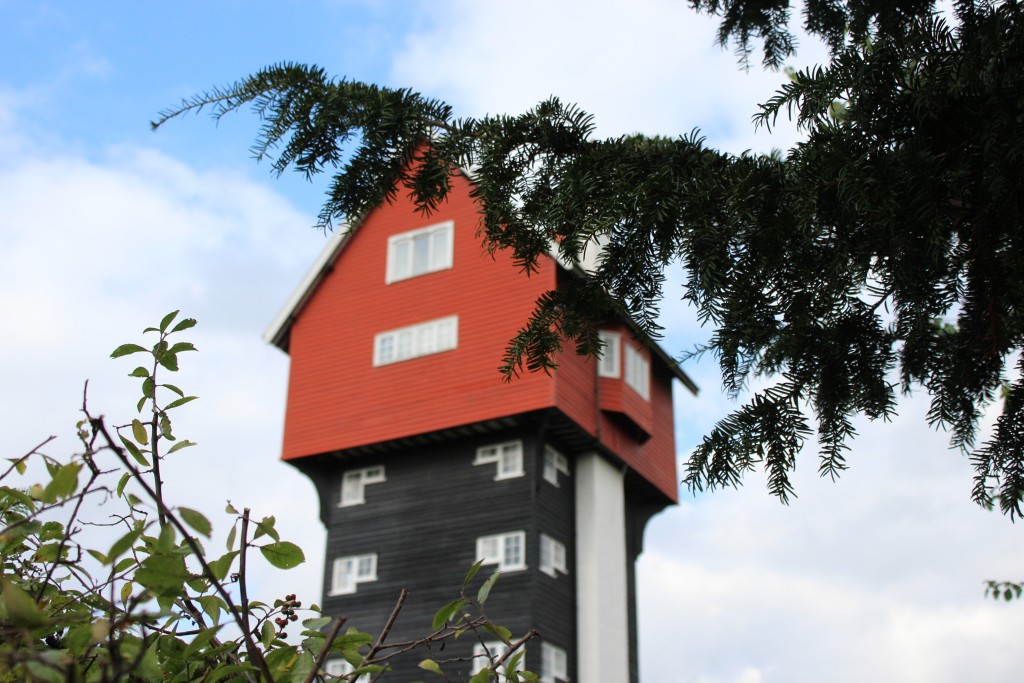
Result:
[[426, 460]]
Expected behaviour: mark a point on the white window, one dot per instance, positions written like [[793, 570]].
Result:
[[554, 664], [414, 341], [419, 252], [552, 556], [638, 372], [554, 462], [508, 456], [608, 365], [338, 667], [485, 653], [353, 484], [508, 551], [349, 572]]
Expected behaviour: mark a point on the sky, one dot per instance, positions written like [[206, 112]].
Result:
[[106, 225]]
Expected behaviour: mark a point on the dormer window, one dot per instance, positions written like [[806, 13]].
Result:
[[419, 252], [624, 361]]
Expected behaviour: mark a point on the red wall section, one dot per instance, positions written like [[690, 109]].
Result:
[[337, 399]]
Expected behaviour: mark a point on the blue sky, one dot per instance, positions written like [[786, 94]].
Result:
[[106, 226]]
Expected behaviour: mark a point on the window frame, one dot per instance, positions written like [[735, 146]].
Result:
[[362, 477], [609, 364], [502, 453], [500, 555], [395, 272], [352, 585], [637, 371], [554, 663], [556, 556], [554, 462], [393, 340]]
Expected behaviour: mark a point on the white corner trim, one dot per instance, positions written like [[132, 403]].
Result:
[[601, 577]]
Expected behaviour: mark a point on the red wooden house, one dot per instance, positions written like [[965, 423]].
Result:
[[426, 460]]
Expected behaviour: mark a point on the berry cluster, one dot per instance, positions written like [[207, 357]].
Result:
[[288, 607]]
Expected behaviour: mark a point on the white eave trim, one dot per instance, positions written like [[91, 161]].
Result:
[[277, 332]]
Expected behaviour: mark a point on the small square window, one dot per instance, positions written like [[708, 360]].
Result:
[[485, 653], [554, 462], [353, 484], [508, 456], [552, 556], [508, 550], [349, 572], [554, 664]]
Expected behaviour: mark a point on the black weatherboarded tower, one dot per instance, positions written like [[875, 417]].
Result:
[[425, 460]]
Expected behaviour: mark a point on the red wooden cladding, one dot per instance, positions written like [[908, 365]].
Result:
[[337, 399]]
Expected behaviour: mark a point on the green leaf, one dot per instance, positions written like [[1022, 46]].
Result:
[[64, 482], [139, 432], [267, 634], [201, 640], [98, 555], [316, 623], [182, 346], [231, 537], [166, 540], [485, 589], [126, 592], [168, 360], [472, 572], [484, 676], [212, 605], [167, 320], [122, 482], [165, 426], [447, 613], [161, 573], [171, 387], [22, 609], [499, 632], [180, 402], [139, 372], [230, 509], [124, 564], [266, 526], [283, 555], [148, 387], [184, 325], [222, 565], [196, 520], [432, 666], [126, 349], [181, 444], [47, 552], [134, 451], [122, 544]]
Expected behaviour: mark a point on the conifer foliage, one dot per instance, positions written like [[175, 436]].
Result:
[[883, 253]]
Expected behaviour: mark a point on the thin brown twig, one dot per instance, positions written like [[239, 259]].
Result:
[[319, 661]]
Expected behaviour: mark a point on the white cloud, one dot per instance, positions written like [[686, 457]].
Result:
[[650, 66], [90, 253]]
